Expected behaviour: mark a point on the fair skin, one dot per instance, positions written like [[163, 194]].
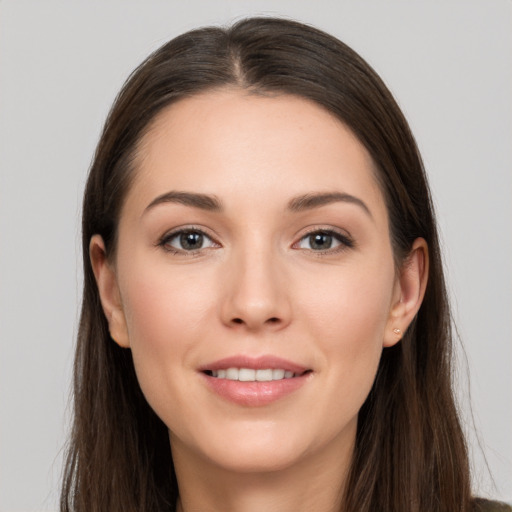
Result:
[[287, 257]]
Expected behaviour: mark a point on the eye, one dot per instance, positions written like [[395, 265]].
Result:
[[324, 241], [186, 240]]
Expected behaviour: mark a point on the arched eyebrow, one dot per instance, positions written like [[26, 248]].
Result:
[[296, 204], [316, 200], [195, 200]]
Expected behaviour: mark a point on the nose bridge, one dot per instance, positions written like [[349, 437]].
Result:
[[256, 294]]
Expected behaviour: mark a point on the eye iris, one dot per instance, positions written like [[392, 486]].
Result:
[[320, 241], [191, 240]]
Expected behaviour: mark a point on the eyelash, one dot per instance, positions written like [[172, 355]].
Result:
[[345, 242], [169, 237]]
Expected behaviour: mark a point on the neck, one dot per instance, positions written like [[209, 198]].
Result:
[[314, 483]]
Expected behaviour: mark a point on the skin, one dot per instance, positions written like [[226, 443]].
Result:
[[256, 287]]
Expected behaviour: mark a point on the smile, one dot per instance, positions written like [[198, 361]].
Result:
[[252, 375], [254, 381]]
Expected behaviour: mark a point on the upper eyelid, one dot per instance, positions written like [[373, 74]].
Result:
[[345, 239], [186, 228], [342, 233], [164, 242], [325, 229]]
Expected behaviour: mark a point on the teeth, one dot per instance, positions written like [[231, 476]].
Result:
[[246, 375], [263, 375], [278, 374], [232, 374], [250, 375]]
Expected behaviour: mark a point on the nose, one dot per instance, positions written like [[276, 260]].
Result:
[[256, 296]]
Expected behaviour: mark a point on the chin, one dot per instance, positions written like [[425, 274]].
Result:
[[256, 460], [246, 447]]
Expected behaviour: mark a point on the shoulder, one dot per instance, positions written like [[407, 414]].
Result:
[[482, 505]]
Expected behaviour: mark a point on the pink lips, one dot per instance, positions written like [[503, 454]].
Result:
[[254, 393]]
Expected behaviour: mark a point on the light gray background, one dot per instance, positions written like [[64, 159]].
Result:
[[61, 64]]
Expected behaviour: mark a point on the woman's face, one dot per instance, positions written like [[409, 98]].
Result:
[[254, 279]]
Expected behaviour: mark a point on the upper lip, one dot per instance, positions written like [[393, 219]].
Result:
[[255, 363]]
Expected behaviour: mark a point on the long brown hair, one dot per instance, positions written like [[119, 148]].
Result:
[[410, 454]]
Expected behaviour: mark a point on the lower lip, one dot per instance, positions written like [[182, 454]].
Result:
[[255, 394]]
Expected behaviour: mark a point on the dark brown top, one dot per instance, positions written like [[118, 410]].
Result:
[[482, 505]]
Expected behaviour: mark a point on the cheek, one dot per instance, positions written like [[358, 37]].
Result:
[[352, 306], [162, 307], [348, 319], [166, 316]]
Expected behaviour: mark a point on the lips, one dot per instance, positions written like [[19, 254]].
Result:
[[254, 381], [252, 375]]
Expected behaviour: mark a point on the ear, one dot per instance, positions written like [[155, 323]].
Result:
[[408, 294], [108, 289]]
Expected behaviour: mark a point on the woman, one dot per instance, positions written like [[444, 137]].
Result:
[[265, 323]]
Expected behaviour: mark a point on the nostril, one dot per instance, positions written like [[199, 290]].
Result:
[[253, 325]]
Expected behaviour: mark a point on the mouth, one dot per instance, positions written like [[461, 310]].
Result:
[[250, 381], [253, 375]]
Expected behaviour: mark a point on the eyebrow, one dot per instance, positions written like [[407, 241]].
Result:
[[310, 201], [201, 201], [297, 204]]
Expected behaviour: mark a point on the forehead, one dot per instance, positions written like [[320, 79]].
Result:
[[230, 141]]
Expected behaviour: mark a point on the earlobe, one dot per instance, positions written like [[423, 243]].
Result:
[[410, 290], [110, 297]]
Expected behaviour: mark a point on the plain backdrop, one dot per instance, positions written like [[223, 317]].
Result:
[[61, 64]]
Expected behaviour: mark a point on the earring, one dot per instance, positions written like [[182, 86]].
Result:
[[396, 330]]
